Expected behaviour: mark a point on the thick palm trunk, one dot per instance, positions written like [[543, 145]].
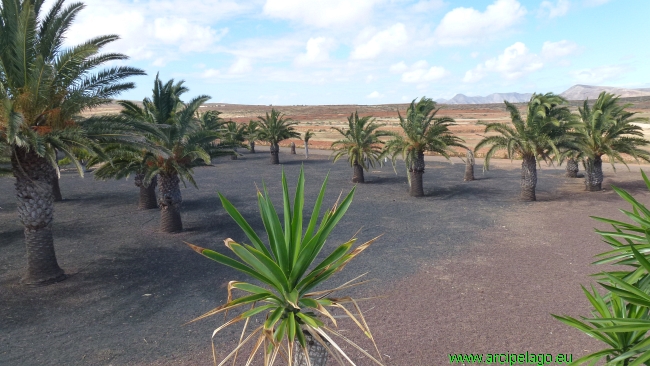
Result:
[[275, 154], [56, 189], [594, 174], [293, 148], [528, 178], [252, 145], [469, 166], [317, 353], [34, 177], [572, 168], [358, 174], [147, 199], [170, 203], [416, 171]]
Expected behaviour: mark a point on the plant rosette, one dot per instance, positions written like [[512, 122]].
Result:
[[286, 296]]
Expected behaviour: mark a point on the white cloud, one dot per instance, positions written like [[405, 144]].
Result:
[[187, 36], [468, 25], [398, 68], [419, 72], [241, 66], [374, 95], [370, 78], [597, 75], [210, 73], [424, 6], [555, 50], [553, 10], [320, 13], [148, 28], [595, 2], [513, 63], [317, 50], [387, 40]]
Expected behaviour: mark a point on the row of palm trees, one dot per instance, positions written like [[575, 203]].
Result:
[[548, 132]]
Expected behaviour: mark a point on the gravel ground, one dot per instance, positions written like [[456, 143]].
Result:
[[468, 268]]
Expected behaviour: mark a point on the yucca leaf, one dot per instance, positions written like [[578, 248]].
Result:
[[296, 224], [243, 224], [273, 318], [262, 264], [218, 257], [316, 212]]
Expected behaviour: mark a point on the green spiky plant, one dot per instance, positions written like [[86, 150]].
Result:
[[621, 317], [289, 273], [361, 143]]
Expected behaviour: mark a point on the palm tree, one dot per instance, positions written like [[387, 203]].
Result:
[[423, 131], [120, 160], [234, 136], [44, 89], [274, 128], [252, 129], [183, 142], [539, 136], [608, 129], [361, 144], [308, 135]]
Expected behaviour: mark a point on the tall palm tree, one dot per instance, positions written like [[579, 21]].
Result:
[[183, 143], [361, 143], [274, 128], [608, 129], [44, 89], [423, 131], [540, 136], [306, 137]]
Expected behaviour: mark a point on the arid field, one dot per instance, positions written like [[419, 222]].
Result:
[[321, 119]]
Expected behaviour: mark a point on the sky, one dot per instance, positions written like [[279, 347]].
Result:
[[293, 52]]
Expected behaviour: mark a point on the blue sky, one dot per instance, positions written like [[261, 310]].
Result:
[[286, 52]]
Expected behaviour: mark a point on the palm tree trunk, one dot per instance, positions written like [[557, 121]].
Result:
[[416, 171], [275, 152], [293, 148], [306, 150], [170, 203], [528, 178], [252, 145], [35, 209], [469, 166], [594, 174], [56, 189], [358, 174], [572, 168], [147, 199]]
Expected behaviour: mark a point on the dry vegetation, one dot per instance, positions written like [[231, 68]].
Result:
[[321, 119]]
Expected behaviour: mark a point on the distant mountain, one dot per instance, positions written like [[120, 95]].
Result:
[[492, 98], [582, 92]]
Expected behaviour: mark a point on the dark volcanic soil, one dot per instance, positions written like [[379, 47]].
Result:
[[468, 268]]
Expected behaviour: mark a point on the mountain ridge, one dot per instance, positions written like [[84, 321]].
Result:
[[576, 92]]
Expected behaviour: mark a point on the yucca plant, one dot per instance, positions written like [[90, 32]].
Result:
[[294, 312], [621, 316]]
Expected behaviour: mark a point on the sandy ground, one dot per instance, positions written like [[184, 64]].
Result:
[[468, 268]]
